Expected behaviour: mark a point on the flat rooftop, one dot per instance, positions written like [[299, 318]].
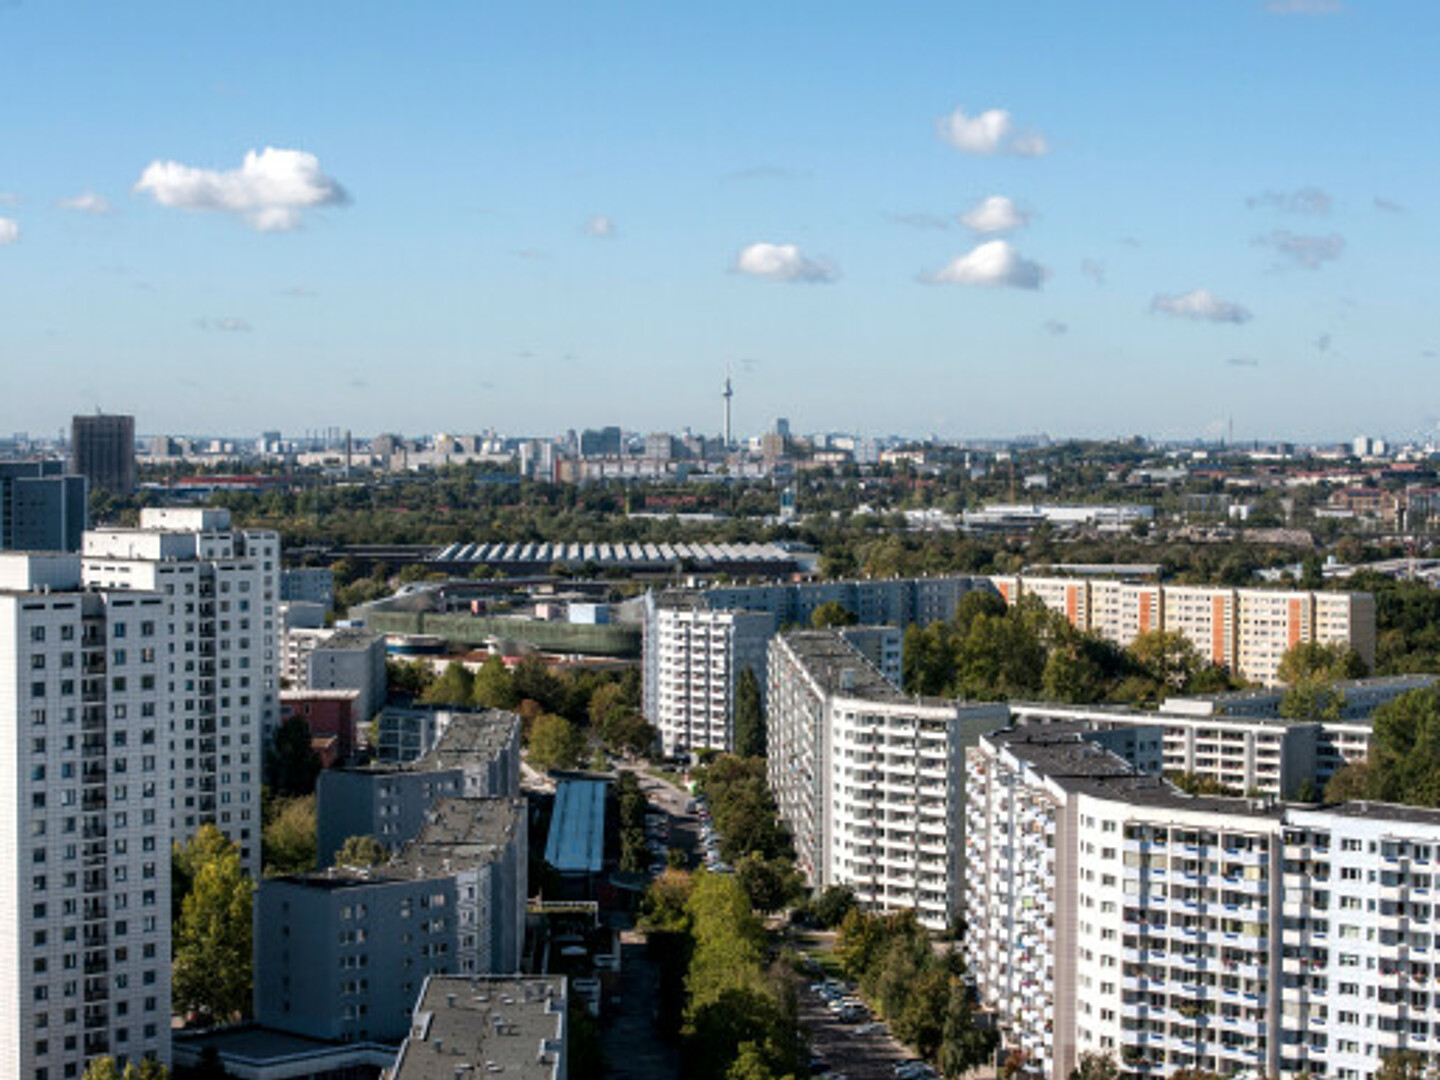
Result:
[[458, 834], [576, 844], [840, 668], [511, 1027], [1060, 752], [350, 637]]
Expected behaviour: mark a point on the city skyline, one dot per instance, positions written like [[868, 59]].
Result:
[[973, 223]]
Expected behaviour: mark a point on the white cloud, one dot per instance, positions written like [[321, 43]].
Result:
[[993, 263], [600, 226], [1094, 270], [1056, 327], [1311, 252], [228, 324], [9, 198], [9, 231], [996, 214], [1390, 206], [271, 189], [1203, 305], [1304, 7], [989, 132], [782, 262], [1305, 200], [87, 202]]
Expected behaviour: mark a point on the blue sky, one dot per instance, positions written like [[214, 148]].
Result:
[[537, 216]]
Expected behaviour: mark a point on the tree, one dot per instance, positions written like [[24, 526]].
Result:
[[207, 844], [410, 678], [536, 682], [291, 765], [749, 716], [1347, 783], [363, 850], [1312, 700], [964, 1045], [288, 841], [1402, 1065], [832, 613], [1169, 656], [832, 905], [455, 687], [104, 1068], [1317, 661], [1095, 1066], [555, 743], [1404, 762], [769, 883], [213, 941], [494, 686]]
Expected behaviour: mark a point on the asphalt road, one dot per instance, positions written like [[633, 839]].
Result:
[[858, 1057]]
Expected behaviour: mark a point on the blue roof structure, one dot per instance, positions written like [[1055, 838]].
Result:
[[576, 844]]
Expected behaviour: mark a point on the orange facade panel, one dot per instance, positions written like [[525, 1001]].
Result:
[[1295, 609], [1147, 618], [1217, 631], [1072, 604]]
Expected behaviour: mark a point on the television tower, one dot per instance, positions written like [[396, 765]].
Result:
[[728, 393]]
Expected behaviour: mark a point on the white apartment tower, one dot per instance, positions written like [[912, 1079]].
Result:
[[220, 589], [870, 780], [694, 657], [85, 840], [1110, 913]]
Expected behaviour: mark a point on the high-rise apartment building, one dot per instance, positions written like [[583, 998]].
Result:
[[42, 508], [85, 839], [220, 590], [1246, 630], [679, 676], [697, 656], [1110, 913], [102, 449], [870, 781]]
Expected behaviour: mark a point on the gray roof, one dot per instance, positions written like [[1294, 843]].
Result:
[[458, 835], [1060, 752], [840, 668], [467, 738], [350, 637], [497, 1026]]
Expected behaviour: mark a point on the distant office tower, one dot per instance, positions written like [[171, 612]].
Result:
[[42, 508], [607, 442], [102, 449], [220, 591], [85, 838]]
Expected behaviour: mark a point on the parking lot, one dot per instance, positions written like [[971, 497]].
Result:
[[858, 1050]]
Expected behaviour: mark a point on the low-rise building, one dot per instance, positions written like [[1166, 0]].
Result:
[[473, 1028], [343, 954], [347, 658], [330, 716], [477, 754]]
